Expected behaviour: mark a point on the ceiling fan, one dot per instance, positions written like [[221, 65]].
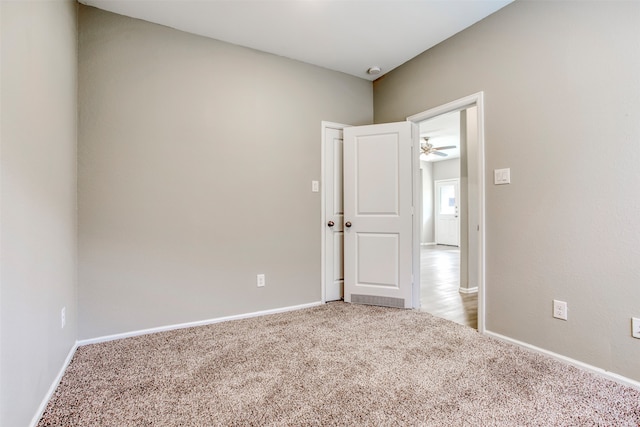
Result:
[[428, 148]]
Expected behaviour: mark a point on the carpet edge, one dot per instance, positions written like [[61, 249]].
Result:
[[54, 385], [620, 379]]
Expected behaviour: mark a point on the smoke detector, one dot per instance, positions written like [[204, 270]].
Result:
[[375, 70]]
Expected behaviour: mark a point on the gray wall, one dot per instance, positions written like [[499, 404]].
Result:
[[561, 84], [469, 199], [464, 205], [446, 169], [427, 233], [195, 165], [38, 201], [473, 220]]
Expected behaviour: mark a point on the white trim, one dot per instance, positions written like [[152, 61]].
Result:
[[428, 244], [416, 208], [323, 200], [450, 107], [585, 366], [53, 387], [477, 99], [197, 323], [473, 290]]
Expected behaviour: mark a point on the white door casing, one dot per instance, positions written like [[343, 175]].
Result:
[[333, 215], [447, 216], [477, 203], [379, 192]]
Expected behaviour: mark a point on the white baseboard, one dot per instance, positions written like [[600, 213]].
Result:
[[428, 244], [197, 323], [585, 366], [54, 385], [468, 290]]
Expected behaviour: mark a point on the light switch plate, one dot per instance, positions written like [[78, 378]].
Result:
[[315, 186], [502, 176]]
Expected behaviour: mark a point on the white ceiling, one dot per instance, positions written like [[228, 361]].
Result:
[[343, 35], [442, 130]]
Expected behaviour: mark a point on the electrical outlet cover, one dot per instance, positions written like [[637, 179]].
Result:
[[560, 309]]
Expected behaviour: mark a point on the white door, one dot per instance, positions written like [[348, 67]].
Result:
[[379, 190], [447, 194], [334, 235]]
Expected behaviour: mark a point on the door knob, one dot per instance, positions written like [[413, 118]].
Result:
[[331, 224], [347, 224]]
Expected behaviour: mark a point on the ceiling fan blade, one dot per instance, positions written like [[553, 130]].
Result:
[[437, 153], [446, 147]]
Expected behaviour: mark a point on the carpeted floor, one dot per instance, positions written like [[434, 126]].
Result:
[[337, 364]]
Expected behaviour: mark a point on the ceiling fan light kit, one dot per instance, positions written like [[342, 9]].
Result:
[[428, 148]]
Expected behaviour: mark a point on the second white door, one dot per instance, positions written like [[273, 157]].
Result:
[[447, 195]]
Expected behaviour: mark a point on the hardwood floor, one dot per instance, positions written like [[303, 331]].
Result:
[[440, 280]]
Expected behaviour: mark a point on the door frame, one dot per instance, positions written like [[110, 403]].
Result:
[[475, 100], [436, 205], [323, 200]]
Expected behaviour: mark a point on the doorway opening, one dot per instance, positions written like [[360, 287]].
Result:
[[451, 209]]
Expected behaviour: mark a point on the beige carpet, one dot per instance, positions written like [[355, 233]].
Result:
[[336, 364]]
